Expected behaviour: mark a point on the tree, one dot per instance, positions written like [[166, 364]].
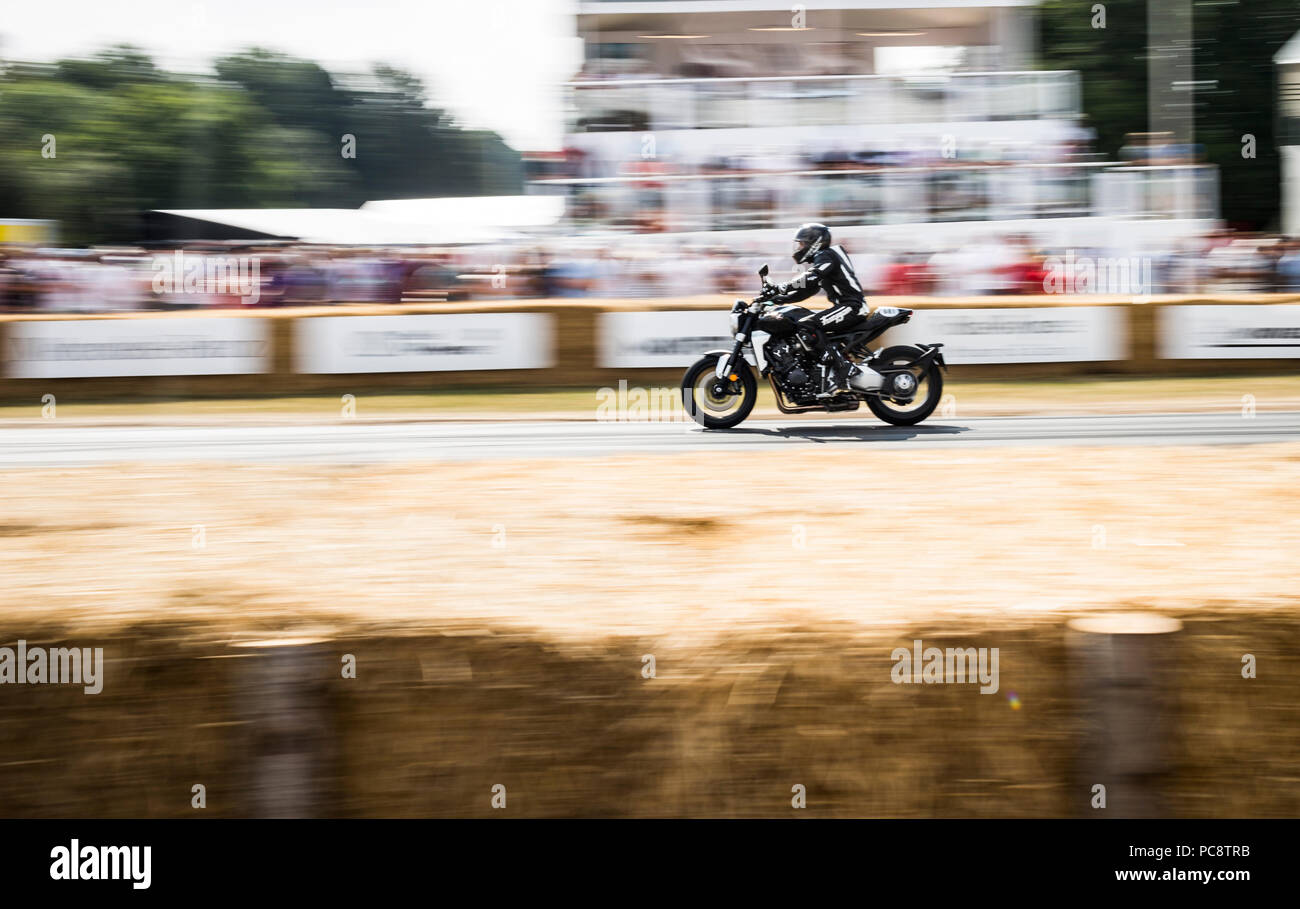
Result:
[[1233, 45], [266, 131]]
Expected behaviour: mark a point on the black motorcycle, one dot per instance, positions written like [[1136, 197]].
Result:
[[901, 385]]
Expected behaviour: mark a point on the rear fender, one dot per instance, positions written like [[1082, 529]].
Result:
[[932, 355]]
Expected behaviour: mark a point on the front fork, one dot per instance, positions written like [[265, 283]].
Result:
[[724, 370]]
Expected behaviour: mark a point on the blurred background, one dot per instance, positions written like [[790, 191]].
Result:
[[643, 149], [565, 163]]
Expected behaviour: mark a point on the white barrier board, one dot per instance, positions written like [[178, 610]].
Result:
[[640, 340], [423, 343], [77, 348], [1216, 332], [1040, 335], [1066, 334]]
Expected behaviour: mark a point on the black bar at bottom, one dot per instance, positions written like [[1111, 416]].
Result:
[[652, 860]]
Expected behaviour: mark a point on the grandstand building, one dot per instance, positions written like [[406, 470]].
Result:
[[696, 117]]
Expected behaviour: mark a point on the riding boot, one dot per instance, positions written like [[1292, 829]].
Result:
[[841, 369]]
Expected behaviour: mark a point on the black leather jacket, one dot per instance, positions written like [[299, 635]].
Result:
[[830, 270]]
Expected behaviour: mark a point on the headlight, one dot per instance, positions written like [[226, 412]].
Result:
[[735, 323]]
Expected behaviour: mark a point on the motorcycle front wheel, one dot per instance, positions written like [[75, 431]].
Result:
[[718, 403], [929, 388]]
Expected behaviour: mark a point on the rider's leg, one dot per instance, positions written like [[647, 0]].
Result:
[[841, 368]]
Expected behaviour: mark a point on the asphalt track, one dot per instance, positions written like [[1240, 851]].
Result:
[[43, 445]]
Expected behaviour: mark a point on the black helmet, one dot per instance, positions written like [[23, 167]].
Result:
[[809, 239]]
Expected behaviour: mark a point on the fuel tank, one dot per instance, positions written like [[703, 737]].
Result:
[[779, 323]]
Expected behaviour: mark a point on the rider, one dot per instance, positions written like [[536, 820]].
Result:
[[829, 269]]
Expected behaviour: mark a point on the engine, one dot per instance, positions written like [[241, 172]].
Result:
[[794, 369]]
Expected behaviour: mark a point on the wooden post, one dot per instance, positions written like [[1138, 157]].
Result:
[[1124, 672], [283, 700]]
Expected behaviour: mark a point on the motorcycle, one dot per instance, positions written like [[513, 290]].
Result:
[[901, 385]]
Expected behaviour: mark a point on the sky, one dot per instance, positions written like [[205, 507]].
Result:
[[496, 64]]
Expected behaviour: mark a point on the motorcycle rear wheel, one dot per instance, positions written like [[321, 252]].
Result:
[[928, 393]]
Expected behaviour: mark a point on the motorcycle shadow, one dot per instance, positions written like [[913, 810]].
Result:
[[835, 432]]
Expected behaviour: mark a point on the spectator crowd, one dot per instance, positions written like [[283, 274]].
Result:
[[116, 280]]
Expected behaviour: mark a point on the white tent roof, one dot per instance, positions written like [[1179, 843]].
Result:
[[473, 211], [1290, 52], [472, 219]]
